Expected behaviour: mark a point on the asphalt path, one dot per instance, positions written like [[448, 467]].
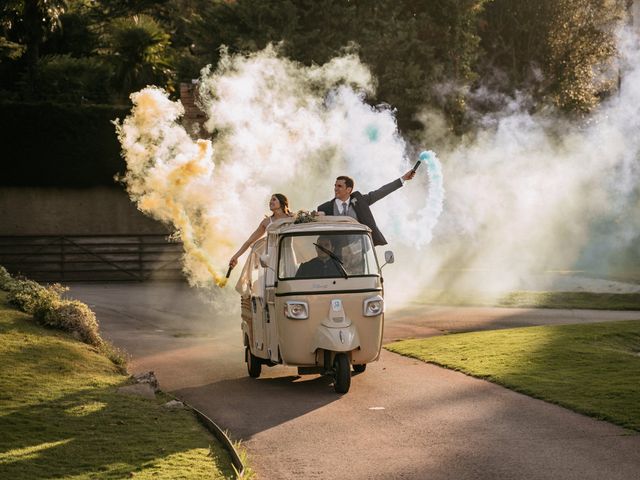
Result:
[[402, 419]]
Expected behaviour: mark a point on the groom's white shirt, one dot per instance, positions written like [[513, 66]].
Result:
[[338, 209]]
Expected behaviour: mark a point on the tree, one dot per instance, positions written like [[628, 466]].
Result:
[[556, 49], [138, 49], [410, 45], [77, 36], [425, 54], [30, 22], [580, 48]]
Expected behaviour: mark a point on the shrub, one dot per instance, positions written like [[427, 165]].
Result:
[[76, 145], [33, 298], [72, 316], [5, 278], [65, 79], [49, 308]]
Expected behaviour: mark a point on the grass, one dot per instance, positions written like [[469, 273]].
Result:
[[62, 417], [537, 299], [593, 369], [248, 473]]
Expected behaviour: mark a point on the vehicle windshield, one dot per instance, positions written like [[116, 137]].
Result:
[[326, 255]]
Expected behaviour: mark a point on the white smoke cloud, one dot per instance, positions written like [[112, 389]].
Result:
[[534, 192], [528, 194], [276, 126]]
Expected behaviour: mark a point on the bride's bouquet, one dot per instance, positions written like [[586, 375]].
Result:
[[304, 216]]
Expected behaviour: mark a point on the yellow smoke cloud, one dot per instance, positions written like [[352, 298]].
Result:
[[167, 174]]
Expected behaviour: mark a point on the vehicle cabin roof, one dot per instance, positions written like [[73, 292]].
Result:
[[322, 223]]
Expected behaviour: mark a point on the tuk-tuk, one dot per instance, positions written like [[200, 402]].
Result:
[[312, 297]]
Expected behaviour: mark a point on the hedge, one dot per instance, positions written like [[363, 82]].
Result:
[[50, 145]]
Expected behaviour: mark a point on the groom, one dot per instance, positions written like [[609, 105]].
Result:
[[356, 205]]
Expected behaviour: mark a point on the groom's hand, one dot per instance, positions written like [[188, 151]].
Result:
[[409, 175]]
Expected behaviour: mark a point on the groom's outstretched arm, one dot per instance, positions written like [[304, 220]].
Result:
[[385, 190]]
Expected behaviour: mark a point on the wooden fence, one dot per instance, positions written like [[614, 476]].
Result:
[[92, 258]]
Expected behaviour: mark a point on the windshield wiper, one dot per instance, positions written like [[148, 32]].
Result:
[[335, 258]]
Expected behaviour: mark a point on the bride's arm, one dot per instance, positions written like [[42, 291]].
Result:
[[259, 232]]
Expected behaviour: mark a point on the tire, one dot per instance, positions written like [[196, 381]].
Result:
[[360, 368], [342, 368], [254, 364]]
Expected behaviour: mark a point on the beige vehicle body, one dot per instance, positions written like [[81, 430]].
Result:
[[306, 322]]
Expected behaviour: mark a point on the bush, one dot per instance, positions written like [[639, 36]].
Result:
[[72, 316], [5, 278], [65, 79], [49, 308], [76, 145], [33, 298]]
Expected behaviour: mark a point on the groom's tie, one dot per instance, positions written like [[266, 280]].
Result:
[[344, 208]]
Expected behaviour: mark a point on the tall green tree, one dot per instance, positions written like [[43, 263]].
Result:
[[424, 53], [410, 45], [30, 22], [581, 46], [60, 47], [138, 49], [559, 50]]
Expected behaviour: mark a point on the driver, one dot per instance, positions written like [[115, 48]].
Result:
[[322, 265]]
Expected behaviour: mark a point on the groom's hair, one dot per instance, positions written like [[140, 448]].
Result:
[[348, 181]]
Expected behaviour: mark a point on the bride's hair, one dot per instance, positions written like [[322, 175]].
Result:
[[284, 203]]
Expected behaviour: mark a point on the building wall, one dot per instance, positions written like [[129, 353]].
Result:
[[193, 118], [63, 211]]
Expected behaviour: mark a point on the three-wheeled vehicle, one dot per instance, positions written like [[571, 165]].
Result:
[[312, 297]]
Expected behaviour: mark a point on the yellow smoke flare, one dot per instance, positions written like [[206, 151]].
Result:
[[185, 232], [170, 176]]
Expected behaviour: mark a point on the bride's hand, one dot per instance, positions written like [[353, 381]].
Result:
[[233, 262]]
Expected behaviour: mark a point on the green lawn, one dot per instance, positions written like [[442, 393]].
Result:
[[61, 416], [593, 369], [536, 299]]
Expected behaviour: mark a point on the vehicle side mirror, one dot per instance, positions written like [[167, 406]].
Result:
[[264, 260], [388, 258]]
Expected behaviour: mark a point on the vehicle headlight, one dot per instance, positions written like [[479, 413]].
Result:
[[296, 310], [373, 306]]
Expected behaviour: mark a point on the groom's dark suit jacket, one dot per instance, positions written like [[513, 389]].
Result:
[[360, 204]]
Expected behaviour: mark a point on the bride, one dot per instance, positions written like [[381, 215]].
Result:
[[279, 206]]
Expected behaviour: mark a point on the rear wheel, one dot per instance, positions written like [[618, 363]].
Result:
[[360, 368], [342, 369], [254, 364]]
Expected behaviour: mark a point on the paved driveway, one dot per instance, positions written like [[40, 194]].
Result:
[[401, 419]]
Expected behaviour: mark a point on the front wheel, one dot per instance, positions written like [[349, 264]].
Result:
[[254, 365], [342, 369]]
